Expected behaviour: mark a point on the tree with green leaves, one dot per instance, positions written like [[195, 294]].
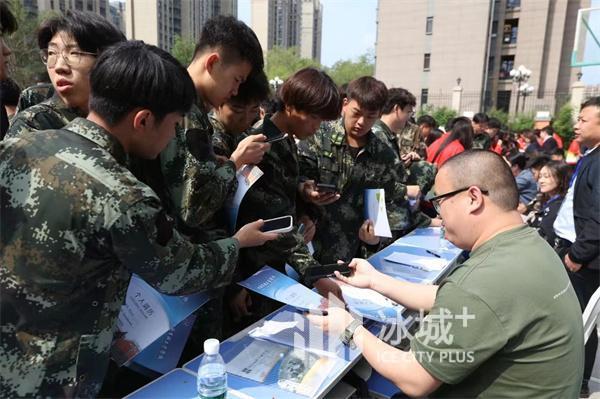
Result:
[[499, 114], [27, 67], [283, 62], [442, 115], [183, 50], [347, 70], [563, 123], [521, 122]]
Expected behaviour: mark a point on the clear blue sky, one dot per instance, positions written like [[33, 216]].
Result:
[[349, 28]]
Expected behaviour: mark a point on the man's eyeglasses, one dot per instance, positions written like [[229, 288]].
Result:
[[72, 57], [436, 201]]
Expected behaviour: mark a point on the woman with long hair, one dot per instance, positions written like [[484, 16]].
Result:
[[553, 186], [458, 139]]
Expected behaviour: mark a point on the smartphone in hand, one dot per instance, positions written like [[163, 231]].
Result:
[[282, 224]]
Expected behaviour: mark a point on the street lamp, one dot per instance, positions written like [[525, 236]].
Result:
[[525, 90], [275, 83], [520, 76]]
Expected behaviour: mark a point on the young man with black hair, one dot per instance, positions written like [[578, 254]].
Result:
[[547, 139], [347, 154], [402, 136], [577, 224], [188, 174], [69, 45], [86, 223], [480, 138], [229, 121], [8, 24]]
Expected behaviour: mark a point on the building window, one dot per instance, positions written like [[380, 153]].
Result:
[[513, 3], [494, 28], [429, 26], [503, 100], [491, 62], [426, 61], [511, 29], [424, 96], [506, 64]]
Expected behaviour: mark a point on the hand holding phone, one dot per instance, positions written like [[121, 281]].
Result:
[[326, 188], [324, 271], [282, 224]]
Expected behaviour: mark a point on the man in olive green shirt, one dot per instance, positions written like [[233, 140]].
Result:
[[505, 323]]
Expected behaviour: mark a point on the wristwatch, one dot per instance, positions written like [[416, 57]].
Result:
[[348, 333]]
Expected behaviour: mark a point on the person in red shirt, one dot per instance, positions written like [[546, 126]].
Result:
[[459, 139]]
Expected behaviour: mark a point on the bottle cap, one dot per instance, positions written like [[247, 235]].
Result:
[[211, 346]]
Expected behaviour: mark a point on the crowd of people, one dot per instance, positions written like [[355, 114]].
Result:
[[126, 163]]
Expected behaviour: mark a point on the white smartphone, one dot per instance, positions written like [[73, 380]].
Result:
[[283, 224]]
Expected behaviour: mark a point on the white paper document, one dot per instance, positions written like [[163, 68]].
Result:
[[304, 372], [271, 327], [246, 177], [427, 263], [375, 210], [256, 361]]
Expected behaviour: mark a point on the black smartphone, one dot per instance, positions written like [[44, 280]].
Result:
[[326, 188], [273, 139], [315, 273], [282, 224]]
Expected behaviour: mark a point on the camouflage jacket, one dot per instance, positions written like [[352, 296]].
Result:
[[223, 143], [34, 95], [406, 140], [197, 182], [49, 114], [421, 173], [482, 141], [75, 224], [271, 196], [326, 158]]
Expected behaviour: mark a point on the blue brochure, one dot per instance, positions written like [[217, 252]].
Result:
[[146, 315], [275, 285]]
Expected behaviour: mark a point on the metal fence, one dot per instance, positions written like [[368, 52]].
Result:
[[473, 101]]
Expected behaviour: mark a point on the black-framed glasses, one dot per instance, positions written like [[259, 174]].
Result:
[[72, 57], [435, 201]]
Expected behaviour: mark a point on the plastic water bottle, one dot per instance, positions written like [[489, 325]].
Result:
[[212, 374]]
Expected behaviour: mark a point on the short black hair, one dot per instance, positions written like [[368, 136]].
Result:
[[488, 171], [400, 97], [9, 92], [538, 162], [312, 91], [480, 117], [427, 120], [520, 160], [92, 32], [254, 89], [370, 93], [134, 75], [233, 39], [8, 22], [592, 102], [494, 123]]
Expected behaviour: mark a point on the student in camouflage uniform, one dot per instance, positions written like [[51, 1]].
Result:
[[229, 121], [307, 98], [69, 46], [188, 174], [76, 224], [395, 129], [34, 95], [347, 154], [481, 139], [8, 24]]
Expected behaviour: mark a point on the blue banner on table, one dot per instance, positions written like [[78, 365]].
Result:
[[146, 315]]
